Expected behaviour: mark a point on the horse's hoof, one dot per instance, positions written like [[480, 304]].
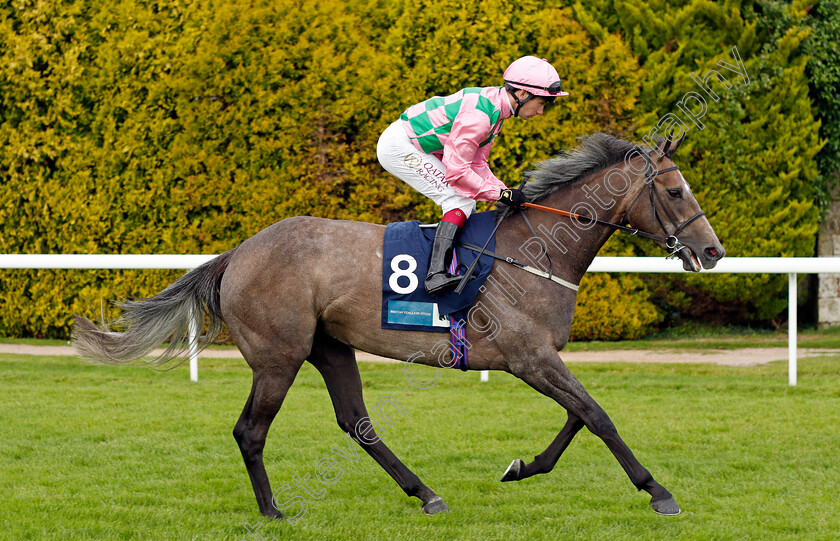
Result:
[[666, 506], [274, 514], [512, 472], [435, 506]]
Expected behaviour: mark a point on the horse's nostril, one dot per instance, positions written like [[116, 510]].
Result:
[[711, 253]]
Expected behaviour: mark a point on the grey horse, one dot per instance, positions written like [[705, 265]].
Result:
[[307, 288]]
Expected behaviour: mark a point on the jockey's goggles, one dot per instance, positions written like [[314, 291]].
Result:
[[554, 88]]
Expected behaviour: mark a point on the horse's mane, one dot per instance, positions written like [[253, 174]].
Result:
[[595, 152]]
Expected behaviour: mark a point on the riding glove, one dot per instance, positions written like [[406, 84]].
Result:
[[512, 197]]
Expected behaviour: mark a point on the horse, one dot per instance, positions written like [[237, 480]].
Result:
[[308, 289]]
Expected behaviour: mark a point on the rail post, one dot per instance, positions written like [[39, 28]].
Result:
[[792, 326], [193, 329]]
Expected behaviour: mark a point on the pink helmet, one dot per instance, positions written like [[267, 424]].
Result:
[[534, 75]]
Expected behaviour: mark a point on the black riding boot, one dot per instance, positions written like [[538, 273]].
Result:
[[438, 280]]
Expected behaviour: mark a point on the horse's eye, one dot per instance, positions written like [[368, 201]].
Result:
[[675, 193]]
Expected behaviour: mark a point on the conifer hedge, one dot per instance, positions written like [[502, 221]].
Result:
[[181, 127]]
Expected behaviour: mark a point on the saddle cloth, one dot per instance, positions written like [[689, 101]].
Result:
[[405, 262]]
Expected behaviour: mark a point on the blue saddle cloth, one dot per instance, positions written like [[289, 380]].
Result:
[[405, 263]]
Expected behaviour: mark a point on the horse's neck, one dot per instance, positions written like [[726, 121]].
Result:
[[572, 246]]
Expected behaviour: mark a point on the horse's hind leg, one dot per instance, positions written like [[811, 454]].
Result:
[[268, 390], [337, 364], [545, 461]]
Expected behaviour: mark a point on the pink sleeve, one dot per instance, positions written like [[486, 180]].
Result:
[[482, 169], [466, 163]]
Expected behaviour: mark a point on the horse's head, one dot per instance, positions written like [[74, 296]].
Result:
[[664, 205]]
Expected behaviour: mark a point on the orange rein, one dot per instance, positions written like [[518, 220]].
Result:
[[555, 211]]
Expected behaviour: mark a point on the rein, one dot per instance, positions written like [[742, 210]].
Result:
[[670, 240]]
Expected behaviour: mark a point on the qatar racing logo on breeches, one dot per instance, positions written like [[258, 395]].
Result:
[[427, 171]]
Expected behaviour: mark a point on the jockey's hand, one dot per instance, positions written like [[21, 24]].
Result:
[[512, 197]]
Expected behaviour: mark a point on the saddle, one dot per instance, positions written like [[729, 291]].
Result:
[[406, 251]]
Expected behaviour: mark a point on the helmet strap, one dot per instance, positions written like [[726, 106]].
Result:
[[519, 103]]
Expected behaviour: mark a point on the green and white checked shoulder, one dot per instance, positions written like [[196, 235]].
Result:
[[430, 122]]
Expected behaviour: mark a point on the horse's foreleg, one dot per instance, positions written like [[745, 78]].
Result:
[[337, 364], [550, 376], [545, 461]]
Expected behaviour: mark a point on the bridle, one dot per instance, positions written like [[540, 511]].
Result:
[[670, 240]]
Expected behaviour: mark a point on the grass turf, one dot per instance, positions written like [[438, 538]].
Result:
[[98, 452], [699, 338]]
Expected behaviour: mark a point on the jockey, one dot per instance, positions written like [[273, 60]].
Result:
[[440, 148]]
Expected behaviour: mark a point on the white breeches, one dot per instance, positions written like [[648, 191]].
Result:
[[423, 172]]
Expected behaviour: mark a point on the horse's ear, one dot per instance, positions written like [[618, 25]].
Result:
[[669, 147], [668, 150], [664, 151]]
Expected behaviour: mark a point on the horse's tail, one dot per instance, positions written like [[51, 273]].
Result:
[[146, 323]]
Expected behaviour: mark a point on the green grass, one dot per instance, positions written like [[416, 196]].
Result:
[[34, 341], [700, 338], [59, 342], [98, 452]]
